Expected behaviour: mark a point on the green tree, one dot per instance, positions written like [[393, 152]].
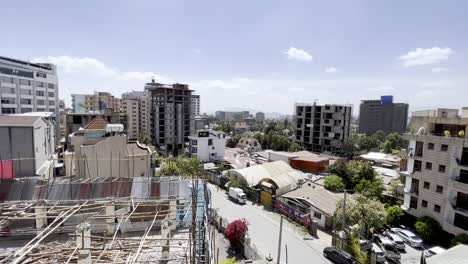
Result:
[[368, 144], [293, 147], [143, 138], [379, 136], [370, 188], [355, 248], [387, 147], [459, 239], [428, 228], [393, 189], [340, 168], [334, 183], [180, 166], [233, 141], [394, 214], [368, 213], [396, 141]]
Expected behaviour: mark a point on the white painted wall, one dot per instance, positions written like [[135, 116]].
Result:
[[44, 142], [205, 152]]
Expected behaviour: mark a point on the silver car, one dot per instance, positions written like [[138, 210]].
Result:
[[409, 237], [397, 241]]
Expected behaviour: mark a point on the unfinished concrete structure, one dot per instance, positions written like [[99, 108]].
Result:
[[135, 105], [107, 220]]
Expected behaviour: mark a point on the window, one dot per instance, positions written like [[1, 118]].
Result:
[[51, 94], [40, 102], [430, 146], [417, 165], [28, 74], [25, 101], [442, 168], [194, 150], [414, 202], [40, 84], [50, 85], [317, 215], [26, 92], [7, 80], [439, 189], [8, 90], [426, 185], [6, 70], [424, 203], [194, 142], [428, 166], [26, 110], [7, 100], [444, 148], [51, 103], [24, 82], [436, 208], [8, 110], [41, 74], [210, 142], [39, 93], [40, 109]]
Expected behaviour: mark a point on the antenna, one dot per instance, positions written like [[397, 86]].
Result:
[[316, 101]]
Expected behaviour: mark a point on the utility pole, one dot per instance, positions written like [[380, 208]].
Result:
[[344, 220], [286, 247], [279, 241]]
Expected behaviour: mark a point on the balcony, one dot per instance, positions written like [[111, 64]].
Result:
[[412, 191]]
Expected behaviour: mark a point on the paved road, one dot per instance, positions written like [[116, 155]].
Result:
[[264, 230]]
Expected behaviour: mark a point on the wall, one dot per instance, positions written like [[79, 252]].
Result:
[[309, 166], [16, 143], [140, 165], [44, 142]]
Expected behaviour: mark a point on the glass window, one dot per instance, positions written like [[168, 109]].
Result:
[[442, 168], [41, 74], [25, 101], [439, 189], [444, 148], [8, 90], [424, 203], [436, 208], [8, 110], [414, 202], [417, 165], [430, 146], [28, 74], [210, 142], [428, 166], [426, 185], [6, 70], [26, 110], [40, 84], [39, 93], [41, 109], [24, 82], [51, 85], [7, 100], [317, 215], [26, 92], [41, 102], [6, 80], [51, 94], [51, 103]]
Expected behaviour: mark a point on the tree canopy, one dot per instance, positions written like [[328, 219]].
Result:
[[428, 228], [394, 214], [180, 166], [334, 183]]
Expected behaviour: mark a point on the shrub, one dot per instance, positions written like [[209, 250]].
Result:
[[236, 231], [334, 183], [459, 239], [428, 228], [394, 215], [228, 261]]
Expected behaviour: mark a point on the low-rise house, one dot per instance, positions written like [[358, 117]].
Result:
[[302, 160], [249, 144], [314, 200], [27, 145], [208, 145], [382, 159]]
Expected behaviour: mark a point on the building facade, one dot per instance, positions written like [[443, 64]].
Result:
[[436, 180], [383, 114], [322, 128], [196, 104], [135, 106], [260, 116], [232, 116], [171, 117], [99, 101], [208, 145], [28, 87], [28, 141]]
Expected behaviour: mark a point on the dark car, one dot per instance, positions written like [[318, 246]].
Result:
[[338, 256]]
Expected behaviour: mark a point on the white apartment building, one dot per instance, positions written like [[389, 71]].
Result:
[[196, 104], [28, 87], [135, 105], [208, 145], [436, 180]]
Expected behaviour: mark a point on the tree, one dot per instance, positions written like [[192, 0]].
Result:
[[459, 239], [396, 141], [180, 166], [368, 213], [368, 144], [387, 147], [428, 228], [379, 136], [233, 141], [334, 183], [143, 138], [393, 189], [370, 188], [355, 248], [229, 261], [236, 231], [295, 147], [394, 214], [340, 168]]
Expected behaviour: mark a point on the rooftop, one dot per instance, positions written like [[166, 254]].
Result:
[[454, 255], [18, 120], [97, 123]]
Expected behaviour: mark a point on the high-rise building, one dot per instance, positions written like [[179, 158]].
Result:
[[135, 106], [436, 180], [232, 116], [171, 116], [28, 87], [383, 114], [260, 116], [196, 104], [322, 128], [99, 101]]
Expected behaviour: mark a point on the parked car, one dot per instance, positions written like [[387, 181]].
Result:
[[391, 253], [379, 254], [381, 239], [397, 241], [433, 251], [365, 244], [408, 236], [338, 256]]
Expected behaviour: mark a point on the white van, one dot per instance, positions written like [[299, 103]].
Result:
[[379, 254]]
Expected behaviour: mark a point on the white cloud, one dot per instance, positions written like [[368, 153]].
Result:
[[298, 54], [439, 70], [382, 88], [420, 56], [331, 70], [436, 84], [196, 51]]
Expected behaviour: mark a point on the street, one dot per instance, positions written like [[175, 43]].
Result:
[[264, 231]]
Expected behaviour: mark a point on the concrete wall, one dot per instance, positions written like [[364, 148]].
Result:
[[17, 143], [44, 142]]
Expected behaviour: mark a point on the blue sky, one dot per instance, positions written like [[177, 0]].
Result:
[[262, 55]]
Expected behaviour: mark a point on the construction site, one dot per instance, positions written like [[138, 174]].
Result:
[[106, 220]]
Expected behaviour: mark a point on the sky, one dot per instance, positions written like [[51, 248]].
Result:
[[244, 54]]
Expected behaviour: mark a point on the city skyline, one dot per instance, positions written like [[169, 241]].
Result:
[[263, 56]]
